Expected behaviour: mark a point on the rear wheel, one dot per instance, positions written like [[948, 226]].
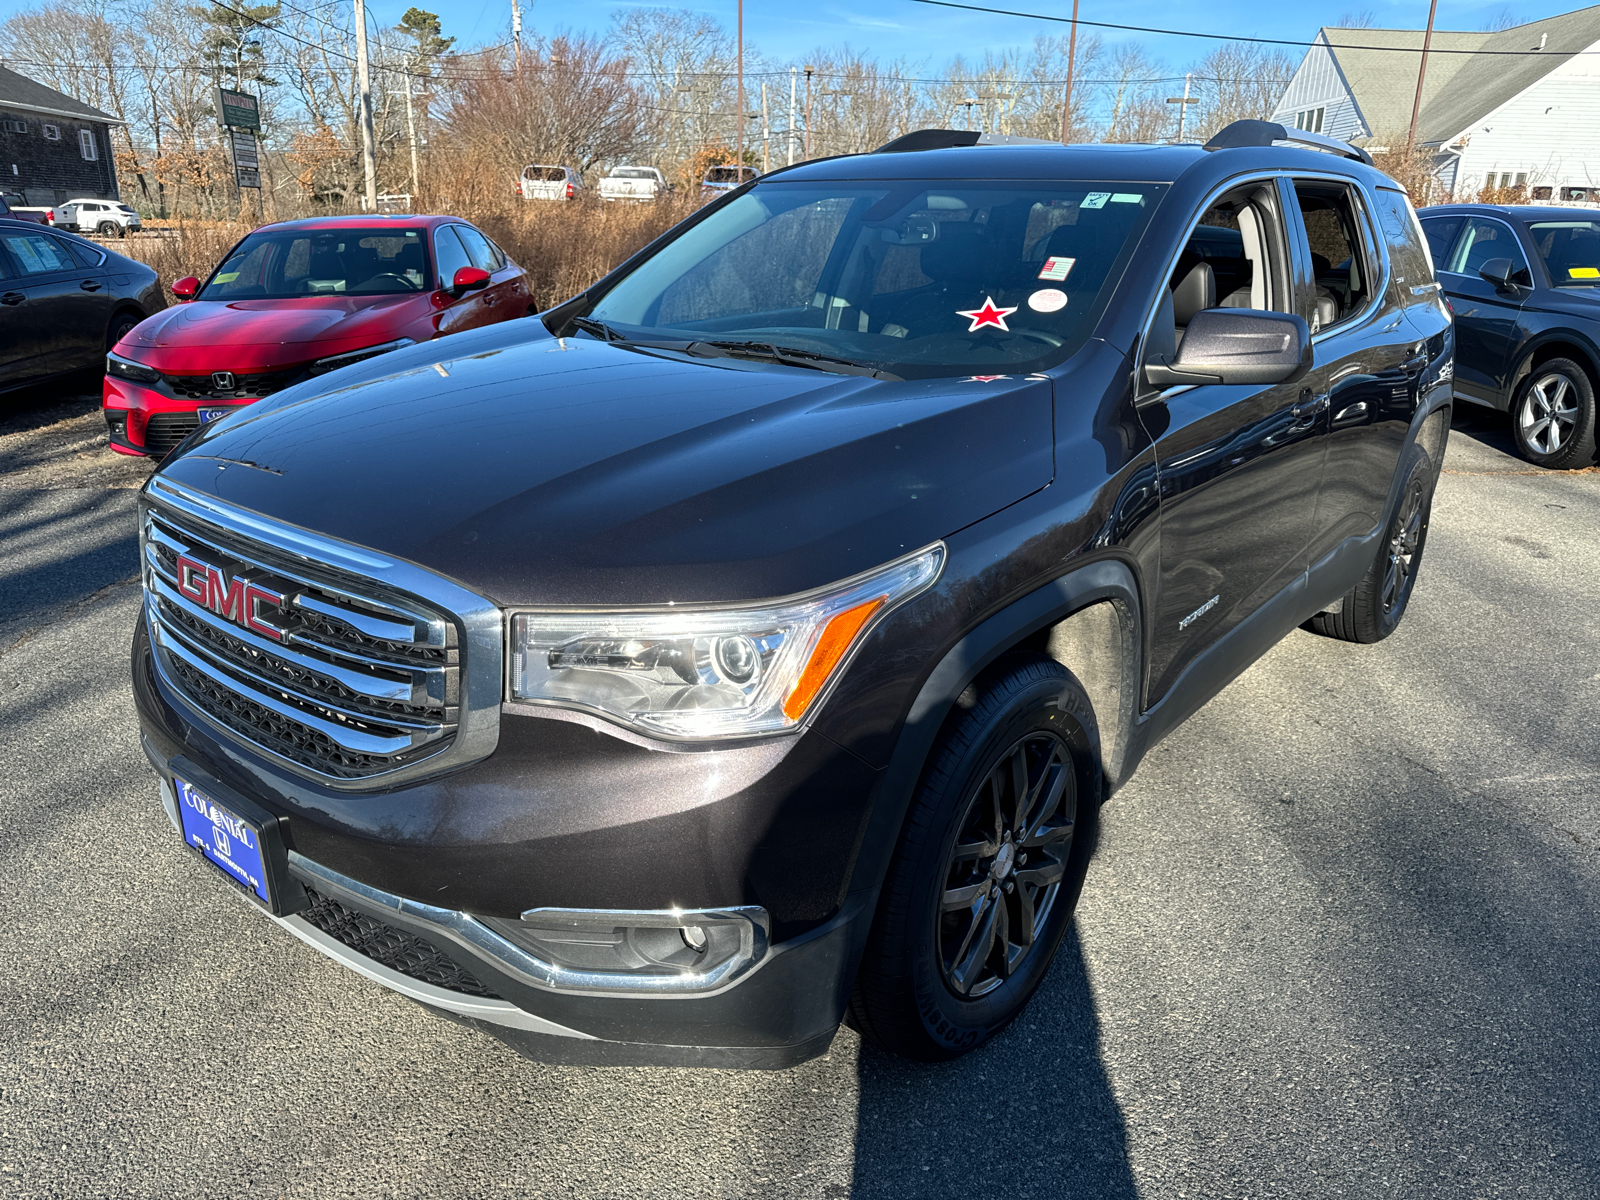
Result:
[[107, 228], [1373, 608], [1553, 420], [989, 867]]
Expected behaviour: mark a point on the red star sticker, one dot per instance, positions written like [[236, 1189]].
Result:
[[989, 314], [985, 378]]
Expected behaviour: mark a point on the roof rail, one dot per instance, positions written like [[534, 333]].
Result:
[[1265, 133], [943, 139]]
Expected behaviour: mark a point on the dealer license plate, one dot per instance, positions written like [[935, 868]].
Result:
[[208, 415], [229, 842]]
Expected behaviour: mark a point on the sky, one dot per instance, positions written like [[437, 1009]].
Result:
[[889, 29]]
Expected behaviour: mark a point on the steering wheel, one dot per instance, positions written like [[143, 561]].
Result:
[[1049, 339], [409, 285]]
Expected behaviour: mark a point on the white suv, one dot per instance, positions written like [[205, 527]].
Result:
[[540, 182], [97, 216]]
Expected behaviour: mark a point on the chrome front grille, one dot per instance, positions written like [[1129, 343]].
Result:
[[343, 676]]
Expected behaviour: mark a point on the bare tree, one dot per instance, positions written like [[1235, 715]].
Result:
[[1237, 81], [1357, 20], [1136, 87]]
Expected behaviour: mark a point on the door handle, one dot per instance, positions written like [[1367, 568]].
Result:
[[89, 285], [1306, 411], [1414, 364], [13, 298]]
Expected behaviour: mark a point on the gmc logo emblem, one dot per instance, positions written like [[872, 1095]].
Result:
[[238, 601]]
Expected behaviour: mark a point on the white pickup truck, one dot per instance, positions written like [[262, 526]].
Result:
[[633, 183]]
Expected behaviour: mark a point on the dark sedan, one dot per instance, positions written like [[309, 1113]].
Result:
[[64, 302], [1524, 281]]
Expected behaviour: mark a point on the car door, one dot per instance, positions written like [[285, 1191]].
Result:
[[1487, 316], [1239, 466], [469, 310], [63, 302], [507, 294], [1367, 359], [17, 343]]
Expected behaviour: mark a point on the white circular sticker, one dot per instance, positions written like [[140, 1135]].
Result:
[[1048, 300]]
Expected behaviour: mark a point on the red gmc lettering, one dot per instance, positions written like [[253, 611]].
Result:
[[238, 601]]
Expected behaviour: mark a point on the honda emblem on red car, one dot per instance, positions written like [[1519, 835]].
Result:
[[222, 380], [238, 600]]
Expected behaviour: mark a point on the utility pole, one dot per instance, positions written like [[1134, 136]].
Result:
[[810, 71], [1422, 73], [969, 104], [155, 120], [766, 134], [791, 115], [411, 128], [1183, 102], [516, 35], [738, 153], [369, 158], [1072, 56]]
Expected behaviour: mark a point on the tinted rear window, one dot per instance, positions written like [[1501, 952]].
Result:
[[1408, 252]]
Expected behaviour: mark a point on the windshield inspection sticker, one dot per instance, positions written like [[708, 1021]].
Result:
[[1057, 269], [1127, 198], [1048, 300], [1095, 200], [989, 314], [1583, 273]]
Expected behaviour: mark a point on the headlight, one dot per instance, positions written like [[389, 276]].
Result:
[[125, 368], [334, 362], [709, 672]]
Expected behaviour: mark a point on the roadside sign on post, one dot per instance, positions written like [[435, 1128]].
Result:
[[246, 159], [238, 110]]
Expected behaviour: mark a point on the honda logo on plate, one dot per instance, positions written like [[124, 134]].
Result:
[[223, 381], [238, 600]]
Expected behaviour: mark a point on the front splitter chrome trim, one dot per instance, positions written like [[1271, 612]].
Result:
[[483, 943]]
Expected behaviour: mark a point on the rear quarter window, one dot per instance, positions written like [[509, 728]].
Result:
[[1408, 250]]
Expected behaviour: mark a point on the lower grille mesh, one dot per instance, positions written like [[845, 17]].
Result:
[[165, 430], [406, 953]]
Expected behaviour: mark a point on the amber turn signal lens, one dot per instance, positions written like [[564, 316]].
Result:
[[837, 637]]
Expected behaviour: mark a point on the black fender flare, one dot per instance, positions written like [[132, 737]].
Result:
[[1107, 578]]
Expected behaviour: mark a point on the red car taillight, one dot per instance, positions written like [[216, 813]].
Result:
[[570, 191]]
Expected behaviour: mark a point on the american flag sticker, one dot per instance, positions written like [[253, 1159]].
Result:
[[1057, 269]]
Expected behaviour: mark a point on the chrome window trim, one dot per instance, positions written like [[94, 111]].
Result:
[[482, 942], [480, 628]]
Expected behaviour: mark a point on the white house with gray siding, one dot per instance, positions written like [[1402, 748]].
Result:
[[1517, 107]]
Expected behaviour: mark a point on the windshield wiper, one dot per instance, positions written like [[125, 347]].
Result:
[[602, 331], [795, 357]]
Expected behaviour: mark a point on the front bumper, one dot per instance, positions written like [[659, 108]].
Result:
[[564, 817], [141, 420]]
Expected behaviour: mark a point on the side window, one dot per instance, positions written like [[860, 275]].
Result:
[[84, 255], [478, 248], [1344, 266], [1410, 258], [38, 253], [1441, 234], [1482, 241], [449, 254]]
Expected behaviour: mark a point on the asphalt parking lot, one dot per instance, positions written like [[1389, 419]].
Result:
[[1339, 939]]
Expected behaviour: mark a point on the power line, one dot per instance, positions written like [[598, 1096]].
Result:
[[1231, 37]]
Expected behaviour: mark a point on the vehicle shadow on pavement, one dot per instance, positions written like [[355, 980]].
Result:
[[1031, 1114]]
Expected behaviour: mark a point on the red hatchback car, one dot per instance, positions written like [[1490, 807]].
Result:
[[298, 299]]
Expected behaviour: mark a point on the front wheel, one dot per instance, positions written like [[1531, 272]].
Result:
[[1373, 608], [1553, 420], [989, 867]]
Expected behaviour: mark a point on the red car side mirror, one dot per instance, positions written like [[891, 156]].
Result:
[[468, 279], [185, 288]]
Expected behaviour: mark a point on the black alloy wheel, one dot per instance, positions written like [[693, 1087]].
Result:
[[1006, 866], [1553, 419], [1405, 545], [990, 863]]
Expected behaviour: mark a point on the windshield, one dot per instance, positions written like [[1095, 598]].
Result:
[[918, 280], [279, 264], [547, 174], [1570, 249]]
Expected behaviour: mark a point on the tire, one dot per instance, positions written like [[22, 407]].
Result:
[[933, 985], [106, 228], [1553, 417], [121, 324], [1373, 608]]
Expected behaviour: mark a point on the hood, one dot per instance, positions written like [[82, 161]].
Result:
[[574, 472], [261, 334]]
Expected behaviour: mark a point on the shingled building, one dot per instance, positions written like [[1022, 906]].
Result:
[[53, 148]]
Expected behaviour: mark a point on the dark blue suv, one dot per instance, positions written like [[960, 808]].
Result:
[[1524, 282]]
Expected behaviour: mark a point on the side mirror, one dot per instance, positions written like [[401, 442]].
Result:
[[468, 279], [1502, 273], [185, 288], [1236, 345]]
